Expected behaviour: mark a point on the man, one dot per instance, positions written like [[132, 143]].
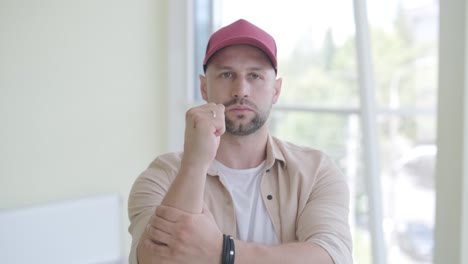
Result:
[[236, 194]]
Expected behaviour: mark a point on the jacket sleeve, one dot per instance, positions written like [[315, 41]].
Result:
[[325, 218], [145, 196]]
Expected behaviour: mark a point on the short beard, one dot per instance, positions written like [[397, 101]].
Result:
[[245, 129]]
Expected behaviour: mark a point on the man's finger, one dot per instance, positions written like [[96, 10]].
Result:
[[170, 214], [157, 248], [158, 236], [162, 224]]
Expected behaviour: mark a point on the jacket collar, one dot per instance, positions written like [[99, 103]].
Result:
[[273, 151]]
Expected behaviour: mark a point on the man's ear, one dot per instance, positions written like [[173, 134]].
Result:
[[277, 90], [203, 91]]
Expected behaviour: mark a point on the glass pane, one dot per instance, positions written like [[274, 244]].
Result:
[[408, 153], [328, 132], [404, 47], [316, 49], [404, 50]]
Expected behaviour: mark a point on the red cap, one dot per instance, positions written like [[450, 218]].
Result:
[[241, 32]]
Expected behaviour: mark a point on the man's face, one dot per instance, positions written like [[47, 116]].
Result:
[[242, 78]]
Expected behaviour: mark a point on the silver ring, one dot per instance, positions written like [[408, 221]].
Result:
[[213, 113]]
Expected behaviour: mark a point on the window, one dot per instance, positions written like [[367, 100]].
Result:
[[324, 105]]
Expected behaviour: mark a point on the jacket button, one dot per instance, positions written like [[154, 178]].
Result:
[[269, 197], [268, 170]]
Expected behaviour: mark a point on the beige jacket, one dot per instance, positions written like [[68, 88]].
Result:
[[304, 192]]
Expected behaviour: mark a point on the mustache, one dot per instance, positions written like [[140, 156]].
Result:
[[240, 101]]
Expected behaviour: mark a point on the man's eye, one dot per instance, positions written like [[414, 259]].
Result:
[[226, 75], [255, 76]]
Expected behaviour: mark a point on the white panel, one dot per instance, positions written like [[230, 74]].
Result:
[[80, 231]]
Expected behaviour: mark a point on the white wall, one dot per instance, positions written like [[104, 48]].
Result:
[[81, 84]]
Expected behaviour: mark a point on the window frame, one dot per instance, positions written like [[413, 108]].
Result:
[[181, 89]]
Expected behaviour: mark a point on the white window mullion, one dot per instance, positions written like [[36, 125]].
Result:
[[356, 110], [179, 70], [369, 131], [451, 233]]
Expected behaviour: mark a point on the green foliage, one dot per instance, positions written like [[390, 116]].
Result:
[[326, 132], [327, 76]]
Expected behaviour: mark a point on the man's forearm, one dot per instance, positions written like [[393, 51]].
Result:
[[187, 190], [186, 193], [292, 253]]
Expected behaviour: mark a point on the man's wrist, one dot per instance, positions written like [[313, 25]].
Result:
[[189, 167]]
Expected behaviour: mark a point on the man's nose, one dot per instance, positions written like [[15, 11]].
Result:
[[241, 88]]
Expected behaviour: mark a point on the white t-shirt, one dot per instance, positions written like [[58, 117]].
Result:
[[253, 221]]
